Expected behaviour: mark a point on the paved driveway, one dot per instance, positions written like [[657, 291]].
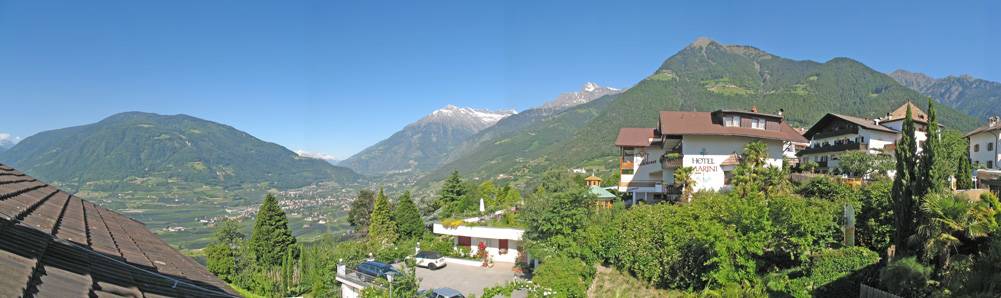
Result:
[[467, 279]]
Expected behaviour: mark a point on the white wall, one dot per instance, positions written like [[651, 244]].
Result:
[[493, 249], [983, 155], [349, 291], [878, 139], [706, 153]]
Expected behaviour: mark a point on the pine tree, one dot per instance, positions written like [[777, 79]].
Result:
[[407, 218], [271, 238], [451, 192], [361, 209], [932, 175], [964, 173], [381, 229], [905, 207]]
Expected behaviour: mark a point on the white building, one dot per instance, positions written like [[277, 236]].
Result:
[[834, 135], [709, 142], [984, 142], [502, 244]]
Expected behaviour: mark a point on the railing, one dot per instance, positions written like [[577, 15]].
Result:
[[834, 148]]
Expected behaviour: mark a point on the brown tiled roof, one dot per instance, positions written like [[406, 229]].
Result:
[[984, 128], [864, 123], [702, 123], [901, 112], [634, 137], [53, 244]]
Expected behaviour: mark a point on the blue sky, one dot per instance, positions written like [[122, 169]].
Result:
[[337, 76]]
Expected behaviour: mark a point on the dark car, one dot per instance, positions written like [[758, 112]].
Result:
[[377, 269], [444, 293]]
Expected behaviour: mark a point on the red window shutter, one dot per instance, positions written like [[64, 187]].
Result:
[[502, 244], [464, 241]]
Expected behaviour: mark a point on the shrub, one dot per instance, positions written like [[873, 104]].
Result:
[[564, 276], [906, 277]]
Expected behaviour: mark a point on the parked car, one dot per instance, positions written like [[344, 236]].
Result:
[[377, 269], [430, 260], [445, 293]]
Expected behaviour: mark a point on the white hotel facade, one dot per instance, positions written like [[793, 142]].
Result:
[[709, 142]]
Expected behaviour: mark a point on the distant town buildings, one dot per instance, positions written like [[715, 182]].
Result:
[[711, 143]]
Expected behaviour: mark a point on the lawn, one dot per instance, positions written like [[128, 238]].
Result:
[[612, 283]]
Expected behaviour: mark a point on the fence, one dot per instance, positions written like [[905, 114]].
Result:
[[866, 291]]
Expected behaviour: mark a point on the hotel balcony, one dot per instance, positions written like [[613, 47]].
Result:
[[845, 146]]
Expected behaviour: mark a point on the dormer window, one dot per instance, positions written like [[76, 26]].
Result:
[[757, 123], [731, 121]]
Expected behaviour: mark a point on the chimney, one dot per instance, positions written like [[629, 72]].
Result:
[[876, 121], [754, 109], [992, 121], [781, 111]]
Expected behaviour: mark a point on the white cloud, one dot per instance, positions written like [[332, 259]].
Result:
[[8, 140], [316, 155]]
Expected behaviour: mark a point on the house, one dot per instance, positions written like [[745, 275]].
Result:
[[604, 198], [709, 142], [984, 142], [54, 244], [353, 282], [503, 244], [835, 134]]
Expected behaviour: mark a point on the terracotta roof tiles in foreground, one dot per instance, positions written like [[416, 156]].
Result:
[[53, 244]]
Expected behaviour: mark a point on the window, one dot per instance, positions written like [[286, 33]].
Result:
[[990, 164], [757, 123], [976, 147], [465, 241], [976, 164], [502, 246], [990, 146], [731, 121]]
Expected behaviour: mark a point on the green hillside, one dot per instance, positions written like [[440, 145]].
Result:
[[704, 76], [130, 148]]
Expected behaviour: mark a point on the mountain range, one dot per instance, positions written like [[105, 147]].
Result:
[[125, 150], [704, 76], [973, 96]]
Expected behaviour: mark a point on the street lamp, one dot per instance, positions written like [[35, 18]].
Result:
[[390, 278]]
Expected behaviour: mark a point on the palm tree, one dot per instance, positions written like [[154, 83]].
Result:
[[683, 177], [947, 218]]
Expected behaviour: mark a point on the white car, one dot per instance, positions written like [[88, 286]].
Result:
[[430, 260]]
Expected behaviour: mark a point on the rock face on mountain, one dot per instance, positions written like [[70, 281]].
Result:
[[589, 92], [132, 148], [424, 144], [976, 97], [704, 76]]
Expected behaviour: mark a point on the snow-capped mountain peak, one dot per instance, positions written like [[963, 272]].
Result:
[[476, 118], [590, 91]]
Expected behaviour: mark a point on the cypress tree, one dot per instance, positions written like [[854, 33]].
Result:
[[381, 229], [964, 173], [932, 175], [271, 238], [407, 218], [905, 207]]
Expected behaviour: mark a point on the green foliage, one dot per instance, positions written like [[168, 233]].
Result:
[[864, 165], [555, 213], [964, 173], [220, 259], [905, 186], [754, 177], [978, 275], [451, 195], [874, 218], [934, 171], [829, 273], [271, 238], [361, 210], [408, 219], [906, 277], [228, 232], [564, 277], [683, 176], [381, 229]]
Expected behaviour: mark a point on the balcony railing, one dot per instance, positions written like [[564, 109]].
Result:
[[846, 146]]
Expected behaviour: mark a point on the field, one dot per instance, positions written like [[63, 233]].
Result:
[[611, 283]]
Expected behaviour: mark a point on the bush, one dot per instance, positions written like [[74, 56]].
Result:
[[906, 277], [564, 276]]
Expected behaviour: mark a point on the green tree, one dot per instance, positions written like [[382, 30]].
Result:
[[864, 165], [906, 277], [407, 218], [683, 177], [933, 168], [228, 231], [361, 210], [905, 205], [488, 191], [564, 277], [271, 238], [964, 173], [451, 193], [381, 229], [220, 259], [947, 219]]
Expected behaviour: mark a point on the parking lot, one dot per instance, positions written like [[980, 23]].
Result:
[[467, 279]]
